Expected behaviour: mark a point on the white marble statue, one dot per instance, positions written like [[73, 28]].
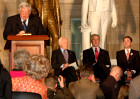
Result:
[[96, 17]]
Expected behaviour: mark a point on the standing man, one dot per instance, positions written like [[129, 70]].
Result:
[[110, 86], [99, 14], [24, 22], [97, 58], [61, 60], [128, 59]]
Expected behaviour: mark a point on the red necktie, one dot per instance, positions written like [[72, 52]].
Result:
[[96, 54]]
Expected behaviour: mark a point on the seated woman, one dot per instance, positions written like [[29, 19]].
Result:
[[36, 68], [5, 83], [20, 56]]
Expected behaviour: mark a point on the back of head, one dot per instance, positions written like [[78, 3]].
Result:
[[51, 81], [116, 72], [36, 66], [123, 92], [20, 56], [86, 71]]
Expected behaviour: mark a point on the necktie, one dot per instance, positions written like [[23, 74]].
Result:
[[24, 25], [65, 55], [96, 54], [127, 55]]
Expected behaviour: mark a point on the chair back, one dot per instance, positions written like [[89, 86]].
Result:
[[25, 95]]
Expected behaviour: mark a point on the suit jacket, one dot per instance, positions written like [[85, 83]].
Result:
[[64, 93], [14, 26], [58, 59], [131, 64], [85, 89], [5, 84], [135, 88], [110, 88], [100, 68]]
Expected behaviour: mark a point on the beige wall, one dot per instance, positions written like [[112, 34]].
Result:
[[128, 23]]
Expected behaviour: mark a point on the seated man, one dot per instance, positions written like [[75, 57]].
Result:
[[110, 87], [61, 60], [24, 22], [128, 60], [5, 83], [53, 92], [20, 56], [97, 58], [86, 87]]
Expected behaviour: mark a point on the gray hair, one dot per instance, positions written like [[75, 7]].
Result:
[[20, 56], [36, 66], [23, 5]]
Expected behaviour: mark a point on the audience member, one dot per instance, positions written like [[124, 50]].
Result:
[[53, 93], [128, 60], [97, 58], [5, 83], [24, 22], [135, 88], [36, 68], [123, 92], [61, 60], [20, 56], [86, 87], [110, 87]]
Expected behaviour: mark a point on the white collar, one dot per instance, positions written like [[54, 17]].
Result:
[[127, 50]]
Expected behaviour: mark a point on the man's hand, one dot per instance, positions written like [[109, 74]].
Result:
[[129, 74], [92, 78], [60, 79], [65, 66], [20, 33]]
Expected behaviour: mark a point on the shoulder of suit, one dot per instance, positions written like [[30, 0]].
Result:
[[134, 50], [120, 51], [14, 16], [88, 49]]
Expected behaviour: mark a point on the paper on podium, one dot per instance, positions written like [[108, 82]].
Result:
[[74, 65]]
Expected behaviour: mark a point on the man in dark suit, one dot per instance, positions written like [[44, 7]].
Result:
[[110, 86], [135, 88], [97, 58], [86, 87], [61, 60], [128, 60], [5, 83], [24, 22]]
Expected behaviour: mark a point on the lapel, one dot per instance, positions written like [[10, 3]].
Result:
[[30, 22], [131, 54], [92, 55], [19, 23], [124, 55], [61, 55]]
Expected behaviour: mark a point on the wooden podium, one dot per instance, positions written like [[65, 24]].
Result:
[[33, 43]]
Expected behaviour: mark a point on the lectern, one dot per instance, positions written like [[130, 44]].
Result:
[[35, 44]]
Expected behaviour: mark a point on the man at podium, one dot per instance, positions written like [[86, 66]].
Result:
[[24, 22]]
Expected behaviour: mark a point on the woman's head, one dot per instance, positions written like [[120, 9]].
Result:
[[36, 66], [123, 92]]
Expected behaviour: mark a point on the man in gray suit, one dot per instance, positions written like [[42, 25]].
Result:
[[86, 87], [135, 88]]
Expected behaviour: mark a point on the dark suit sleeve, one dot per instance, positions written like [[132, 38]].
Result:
[[54, 61], [73, 58], [7, 29], [40, 27], [137, 63]]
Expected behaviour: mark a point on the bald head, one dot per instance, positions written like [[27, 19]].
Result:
[[63, 43], [116, 72]]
